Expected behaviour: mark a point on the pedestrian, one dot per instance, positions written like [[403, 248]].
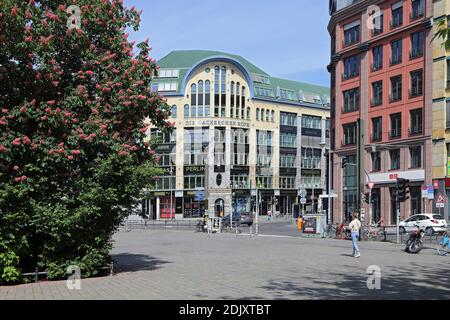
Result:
[[354, 227], [269, 214], [300, 224]]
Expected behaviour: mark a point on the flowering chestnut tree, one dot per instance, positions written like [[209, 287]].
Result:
[[74, 99]]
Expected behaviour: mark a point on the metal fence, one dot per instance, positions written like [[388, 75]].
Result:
[[129, 225]]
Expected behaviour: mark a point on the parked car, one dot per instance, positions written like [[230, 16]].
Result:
[[428, 222], [241, 218]]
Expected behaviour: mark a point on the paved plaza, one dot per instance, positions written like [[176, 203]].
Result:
[[161, 265]]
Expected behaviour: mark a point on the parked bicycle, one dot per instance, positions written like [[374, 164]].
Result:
[[444, 245], [375, 231]]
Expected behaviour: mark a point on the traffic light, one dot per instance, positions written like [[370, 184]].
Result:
[[344, 162], [367, 197], [402, 189]]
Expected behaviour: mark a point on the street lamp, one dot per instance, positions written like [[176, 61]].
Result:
[[170, 186]]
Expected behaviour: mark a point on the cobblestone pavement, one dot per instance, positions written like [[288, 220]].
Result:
[[157, 264]]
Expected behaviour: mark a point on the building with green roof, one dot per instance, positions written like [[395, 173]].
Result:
[[238, 132]]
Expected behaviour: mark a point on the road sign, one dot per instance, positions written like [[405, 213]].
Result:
[[303, 193], [303, 200], [371, 185], [199, 196], [441, 199], [440, 205], [430, 192], [424, 192]]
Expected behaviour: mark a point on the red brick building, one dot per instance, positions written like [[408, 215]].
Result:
[[381, 75]]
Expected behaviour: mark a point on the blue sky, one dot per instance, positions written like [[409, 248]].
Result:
[[286, 38]]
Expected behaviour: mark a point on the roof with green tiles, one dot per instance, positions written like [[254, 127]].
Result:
[[272, 88]]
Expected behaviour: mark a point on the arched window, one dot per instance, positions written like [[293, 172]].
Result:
[[262, 114], [273, 116], [243, 103], [186, 111], [200, 98], [248, 113], [238, 100], [267, 115], [257, 114], [232, 100], [207, 98], [174, 112], [216, 91], [194, 94], [223, 92]]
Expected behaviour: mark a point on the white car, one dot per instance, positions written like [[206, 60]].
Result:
[[428, 222]]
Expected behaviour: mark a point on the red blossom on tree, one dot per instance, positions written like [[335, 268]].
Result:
[[70, 98]]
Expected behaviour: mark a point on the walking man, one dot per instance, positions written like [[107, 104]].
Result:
[[354, 227]]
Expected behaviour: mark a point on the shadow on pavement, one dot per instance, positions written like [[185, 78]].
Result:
[[126, 262], [414, 283]]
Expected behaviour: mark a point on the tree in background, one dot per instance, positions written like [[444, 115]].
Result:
[[73, 104], [443, 32]]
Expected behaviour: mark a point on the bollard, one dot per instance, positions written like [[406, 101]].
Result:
[[112, 269], [36, 277]]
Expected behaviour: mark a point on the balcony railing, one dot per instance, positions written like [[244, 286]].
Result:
[[417, 14], [348, 43], [375, 137], [396, 22], [240, 185], [415, 93], [395, 97], [376, 67], [414, 131], [376, 102], [311, 163], [376, 32], [395, 60], [353, 108], [311, 183], [346, 76], [395, 133]]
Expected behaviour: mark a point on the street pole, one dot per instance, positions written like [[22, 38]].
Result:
[[170, 183], [398, 219], [329, 186], [370, 206], [257, 211]]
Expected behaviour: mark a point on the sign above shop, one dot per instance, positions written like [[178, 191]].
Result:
[[391, 177], [217, 123]]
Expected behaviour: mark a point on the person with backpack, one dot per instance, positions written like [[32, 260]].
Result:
[[354, 227]]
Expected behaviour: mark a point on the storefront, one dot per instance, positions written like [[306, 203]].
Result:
[[286, 202], [194, 207]]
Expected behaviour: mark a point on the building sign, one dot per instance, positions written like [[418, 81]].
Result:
[[239, 169], [194, 170], [217, 123], [165, 147], [412, 175], [311, 132]]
